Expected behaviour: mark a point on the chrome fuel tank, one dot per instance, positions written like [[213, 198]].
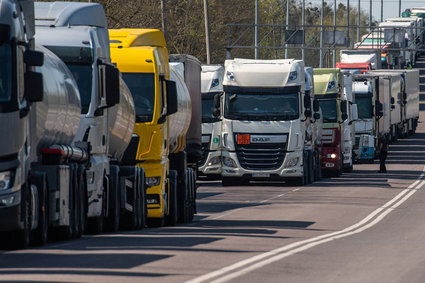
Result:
[[121, 120], [58, 115]]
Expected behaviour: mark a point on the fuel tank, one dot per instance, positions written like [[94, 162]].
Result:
[[58, 115], [121, 119]]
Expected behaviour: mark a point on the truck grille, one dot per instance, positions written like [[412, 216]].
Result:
[[261, 156]]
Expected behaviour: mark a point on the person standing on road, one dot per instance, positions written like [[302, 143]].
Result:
[[383, 152]]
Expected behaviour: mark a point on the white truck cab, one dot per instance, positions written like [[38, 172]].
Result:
[[264, 121]]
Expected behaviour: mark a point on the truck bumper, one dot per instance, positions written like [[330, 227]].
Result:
[[10, 212], [286, 170], [331, 159], [155, 195], [212, 165]]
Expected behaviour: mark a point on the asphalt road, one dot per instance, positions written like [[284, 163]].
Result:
[[362, 227]]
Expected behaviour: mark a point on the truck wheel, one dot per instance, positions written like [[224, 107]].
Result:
[[40, 235], [76, 205], [129, 220], [112, 222], [171, 218], [21, 239], [190, 203], [142, 199], [83, 199]]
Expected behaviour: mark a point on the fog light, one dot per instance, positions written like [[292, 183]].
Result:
[[5, 180], [152, 199], [229, 162], [7, 201]]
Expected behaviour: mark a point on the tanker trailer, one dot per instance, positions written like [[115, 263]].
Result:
[[180, 124], [77, 33]]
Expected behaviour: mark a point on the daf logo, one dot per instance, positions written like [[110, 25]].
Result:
[[254, 139]]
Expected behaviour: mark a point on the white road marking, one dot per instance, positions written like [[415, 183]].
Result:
[[245, 266]]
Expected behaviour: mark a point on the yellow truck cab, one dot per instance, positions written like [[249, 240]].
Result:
[[142, 57]]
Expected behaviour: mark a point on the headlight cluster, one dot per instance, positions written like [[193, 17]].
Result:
[[292, 162], [230, 76], [229, 162], [6, 180], [214, 83], [214, 161], [153, 181], [331, 85], [293, 76], [331, 155]]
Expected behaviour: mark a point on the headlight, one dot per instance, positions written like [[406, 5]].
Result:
[[229, 162], [215, 160], [214, 83], [293, 76], [292, 162], [230, 76], [6, 180], [152, 181], [90, 177], [331, 85], [331, 155]]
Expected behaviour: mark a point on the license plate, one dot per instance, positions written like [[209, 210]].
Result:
[[244, 139], [261, 175]]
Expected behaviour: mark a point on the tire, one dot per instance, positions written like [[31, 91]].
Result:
[[112, 221], [142, 199], [82, 199], [21, 239], [95, 225], [40, 235], [190, 202], [130, 219], [172, 217]]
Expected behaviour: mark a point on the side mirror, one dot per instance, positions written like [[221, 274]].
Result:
[[4, 33], [316, 105], [34, 58], [392, 100], [344, 116], [354, 112], [344, 106], [34, 88], [112, 85], [379, 109], [172, 102], [316, 116], [307, 113], [307, 100]]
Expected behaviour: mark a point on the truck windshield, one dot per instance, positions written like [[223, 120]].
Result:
[[83, 76], [208, 108], [142, 87], [5, 72], [329, 110], [364, 105], [257, 107]]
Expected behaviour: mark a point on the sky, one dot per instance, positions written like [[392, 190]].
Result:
[[390, 6]]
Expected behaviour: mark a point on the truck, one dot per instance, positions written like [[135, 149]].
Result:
[[77, 33], [361, 56], [266, 115], [40, 189], [406, 101], [162, 122], [333, 90], [373, 123], [212, 90]]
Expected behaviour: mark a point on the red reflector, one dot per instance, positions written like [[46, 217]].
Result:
[[55, 151], [244, 139]]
